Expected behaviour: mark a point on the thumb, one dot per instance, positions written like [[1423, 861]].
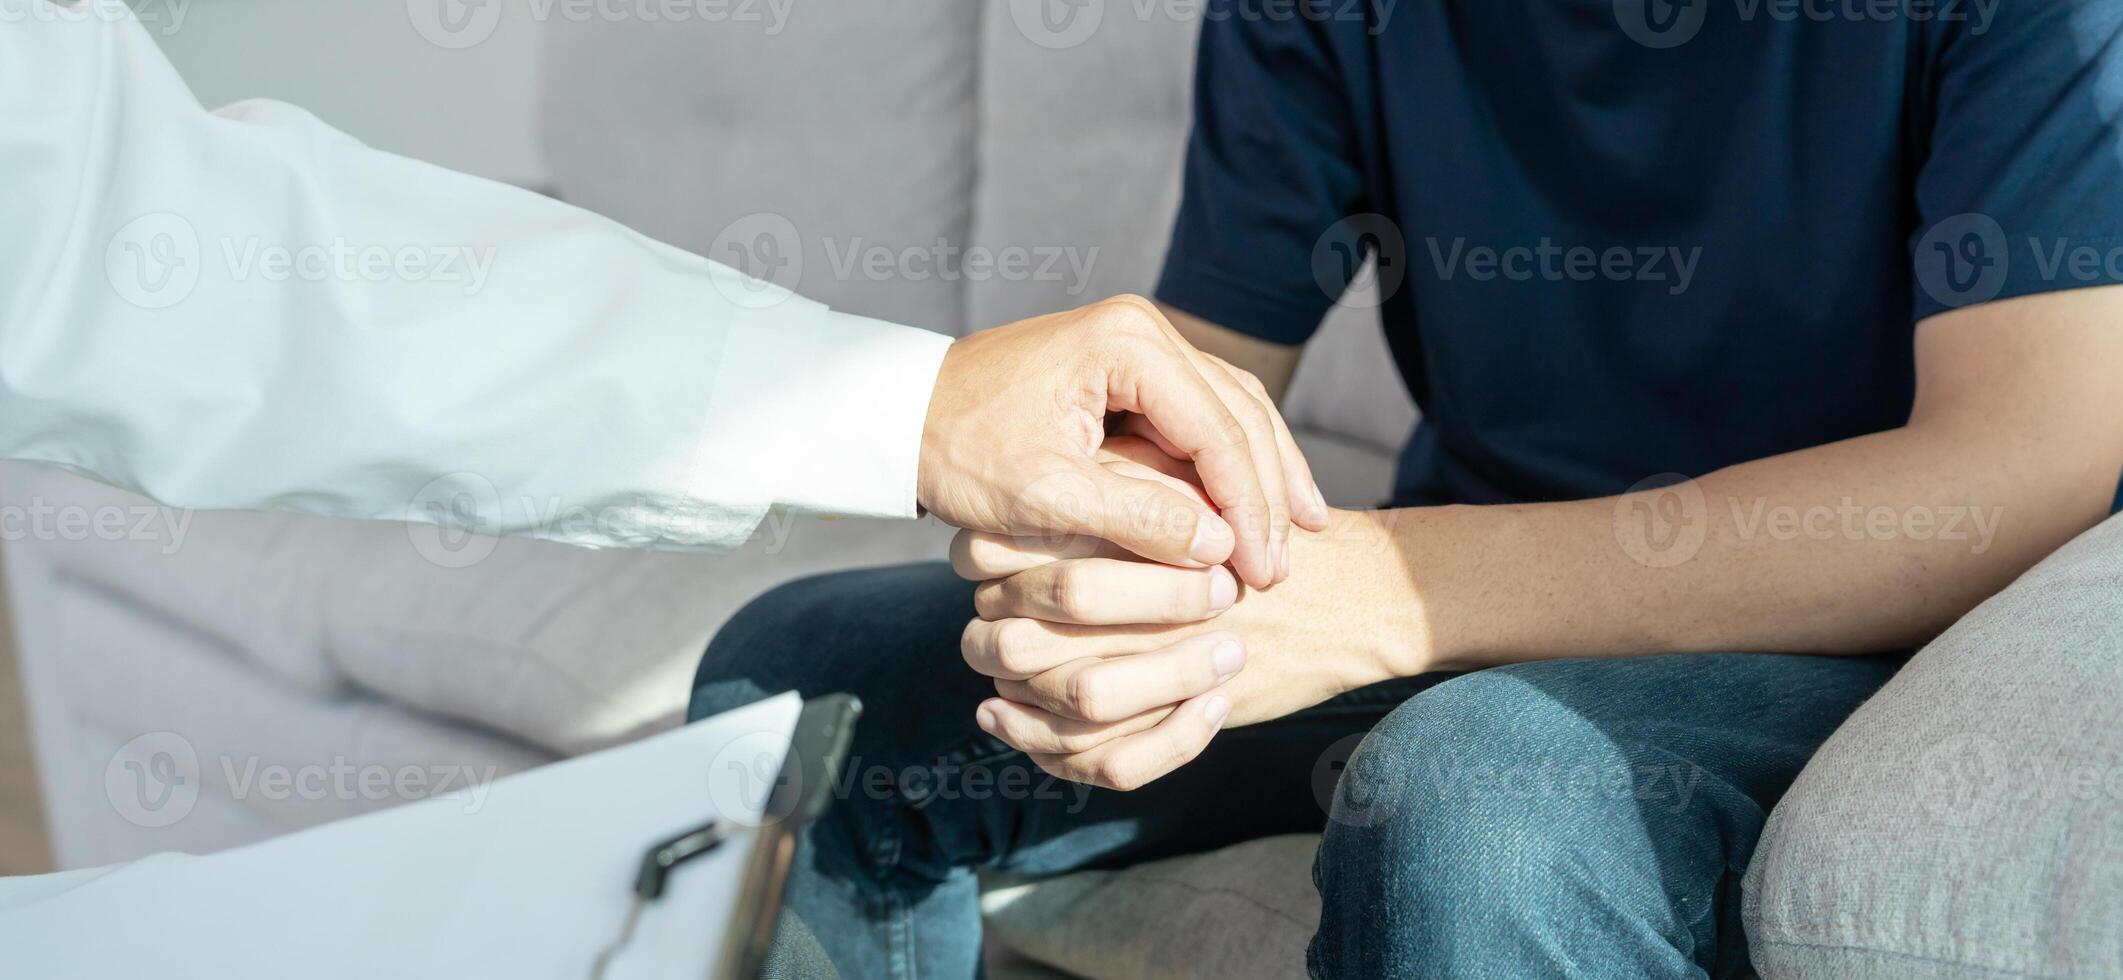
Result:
[[1146, 516]]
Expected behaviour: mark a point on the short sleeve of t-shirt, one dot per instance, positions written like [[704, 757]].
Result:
[[1272, 168], [2021, 186]]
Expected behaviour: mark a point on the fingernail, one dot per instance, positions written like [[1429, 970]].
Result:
[[1230, 658], [986, 717], [1218, 708], [1282, 559], [1212, 541], [1319, 503], [1223, 589]]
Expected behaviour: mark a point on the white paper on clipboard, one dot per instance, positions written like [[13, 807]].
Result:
[[533, 881]]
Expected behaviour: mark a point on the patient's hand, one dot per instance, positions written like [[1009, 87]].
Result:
[[1115, 671]]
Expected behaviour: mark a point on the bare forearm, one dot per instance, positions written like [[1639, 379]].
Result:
[[1878, 542], [1869, 544]]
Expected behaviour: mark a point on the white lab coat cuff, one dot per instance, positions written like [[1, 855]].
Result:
[[844, 401]]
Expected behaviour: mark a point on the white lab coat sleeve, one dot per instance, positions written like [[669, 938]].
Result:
[[249, 309]]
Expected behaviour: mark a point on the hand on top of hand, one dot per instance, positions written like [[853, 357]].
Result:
[[1113, 670], [1019, 411]]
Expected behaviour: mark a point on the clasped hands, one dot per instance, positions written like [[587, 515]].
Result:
[[1134, 510], [1113, 670]]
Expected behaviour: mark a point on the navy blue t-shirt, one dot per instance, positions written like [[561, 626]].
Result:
[[1623, 238]]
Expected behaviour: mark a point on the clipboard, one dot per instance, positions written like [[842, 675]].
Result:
[[817, 751], [529, 876], [818, 748]]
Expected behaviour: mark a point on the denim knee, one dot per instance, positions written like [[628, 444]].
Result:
[[881, 634], [1486, 813]]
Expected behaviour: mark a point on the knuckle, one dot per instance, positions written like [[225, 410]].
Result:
[[1119, 773], [1069, 594], [1013, 643], [988, 600], [1231, 433], [1135, 301], [1090, 693], [1127, 313]]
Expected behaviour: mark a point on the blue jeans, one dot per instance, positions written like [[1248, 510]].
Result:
[[1557, 819]]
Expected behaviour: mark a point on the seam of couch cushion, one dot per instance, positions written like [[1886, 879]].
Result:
[[1896, 955], [1213, 892], [339, 688], [497, 708]]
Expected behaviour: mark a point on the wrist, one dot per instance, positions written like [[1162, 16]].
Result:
[[933, 448], [1384, 629]]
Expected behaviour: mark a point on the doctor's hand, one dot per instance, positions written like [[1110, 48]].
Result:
[[1019, 412]]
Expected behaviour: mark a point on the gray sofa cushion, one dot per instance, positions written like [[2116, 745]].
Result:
[[841, 135], [1965, 822], [1243, 913]]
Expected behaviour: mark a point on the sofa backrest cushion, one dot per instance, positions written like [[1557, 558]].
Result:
[[796, 150]]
